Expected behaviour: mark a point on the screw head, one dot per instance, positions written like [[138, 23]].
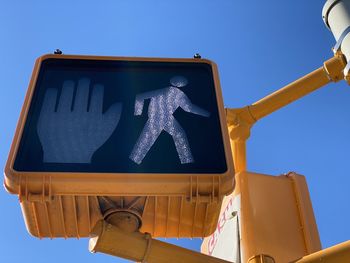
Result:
[[57, 52]]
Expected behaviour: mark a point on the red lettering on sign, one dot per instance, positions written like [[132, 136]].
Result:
[[222, 220]]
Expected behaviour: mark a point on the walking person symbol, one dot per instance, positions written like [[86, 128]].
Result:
[[164, 102]]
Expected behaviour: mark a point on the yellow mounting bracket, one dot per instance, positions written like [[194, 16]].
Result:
[[240, 121]]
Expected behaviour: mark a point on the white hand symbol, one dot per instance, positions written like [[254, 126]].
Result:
[[72, 135]]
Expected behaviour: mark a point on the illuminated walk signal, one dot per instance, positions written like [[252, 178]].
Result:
[[107, 126]]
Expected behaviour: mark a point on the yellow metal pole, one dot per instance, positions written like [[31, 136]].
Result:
[[337, 254], [240, 121], [139, 247], [332, 70]]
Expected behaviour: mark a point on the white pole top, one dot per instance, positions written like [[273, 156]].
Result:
[[336, 16], [326, 10]]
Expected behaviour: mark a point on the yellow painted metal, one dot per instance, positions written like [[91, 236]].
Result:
[[332, 70], [276, 218], [240, 121], [140, 247], [261, 259], [337, 254]]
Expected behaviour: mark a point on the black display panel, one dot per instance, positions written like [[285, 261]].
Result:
[[122, 117]]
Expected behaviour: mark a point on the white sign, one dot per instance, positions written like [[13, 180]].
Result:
[[224, 243]]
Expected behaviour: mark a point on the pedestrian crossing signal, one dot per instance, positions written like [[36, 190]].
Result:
[[107, 126]]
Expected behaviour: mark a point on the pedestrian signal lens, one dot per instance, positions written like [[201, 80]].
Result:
[[123, 117]]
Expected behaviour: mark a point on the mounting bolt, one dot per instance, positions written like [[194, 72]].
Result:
[[57, 52], [197, 55]]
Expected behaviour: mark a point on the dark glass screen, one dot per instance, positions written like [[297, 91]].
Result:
[[122, 117]]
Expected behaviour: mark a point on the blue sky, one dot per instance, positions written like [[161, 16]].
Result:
[[259, 46]]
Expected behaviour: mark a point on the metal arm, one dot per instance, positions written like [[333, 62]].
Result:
[[140, 247], [240, 121], [335, 254]]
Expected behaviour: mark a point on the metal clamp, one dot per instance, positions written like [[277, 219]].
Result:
[[337, 48], [340, 40], [347, 68]]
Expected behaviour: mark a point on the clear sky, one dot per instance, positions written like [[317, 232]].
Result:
[[259, 46]]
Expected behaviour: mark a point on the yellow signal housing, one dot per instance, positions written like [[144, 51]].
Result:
[[67, 202]]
